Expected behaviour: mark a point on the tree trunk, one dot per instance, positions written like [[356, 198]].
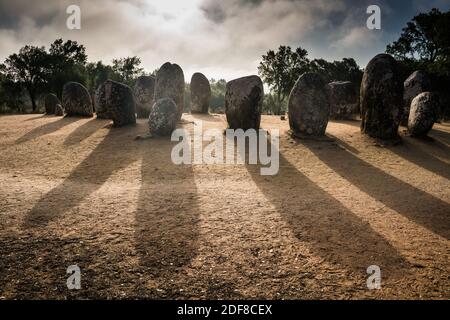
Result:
[[278, 111], [33, 99]]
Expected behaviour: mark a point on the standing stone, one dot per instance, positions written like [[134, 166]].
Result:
[[59, 110], [381, 98], [309, 106], [100, 102], [163, 117], [170, 84], [200, 93], [424, 113], [76, 100], [416, 83], [343, 100], [144, 91], [243, 103], [117, 103], [50, 103]]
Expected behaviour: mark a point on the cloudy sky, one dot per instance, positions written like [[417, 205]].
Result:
[[221, 38]]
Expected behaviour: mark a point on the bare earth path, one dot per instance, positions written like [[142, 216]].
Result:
[[76, 191]]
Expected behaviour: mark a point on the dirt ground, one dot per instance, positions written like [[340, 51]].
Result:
[[78, 192]]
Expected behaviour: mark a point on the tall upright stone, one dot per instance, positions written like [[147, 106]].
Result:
[[170, 84], [100, 102], [416, 83], [76, 100], [116, 102], [381, 98], [200, 93], [144, 92], [424, 113], [343, 100], [243, 103], [308, 106]]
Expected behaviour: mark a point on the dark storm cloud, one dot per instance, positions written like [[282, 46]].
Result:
[[219, 38]]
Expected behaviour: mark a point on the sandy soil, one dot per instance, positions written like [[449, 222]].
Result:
[[76, 191]]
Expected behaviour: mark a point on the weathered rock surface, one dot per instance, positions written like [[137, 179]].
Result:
[[343, 100], [50, 103], [116, 102], [59, 110], [381, 98], [144, 91], [309, 106], [200, 93], [170, 84], [76, 100], [243, 103], [423, 114], [100, 102], [163, 117], [416, 83]]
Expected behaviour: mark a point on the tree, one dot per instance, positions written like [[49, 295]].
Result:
[[98, 73], [281, 69], [425, 38], [27, 69], [218, 90], [127, 69], [345, 70], [424, 44], [66, 62]]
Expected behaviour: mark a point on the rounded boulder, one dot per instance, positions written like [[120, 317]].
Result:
[[381, 98], [163, 117], [76, 100], [423, 114], [243, 103], [308, 106], [200, 93]]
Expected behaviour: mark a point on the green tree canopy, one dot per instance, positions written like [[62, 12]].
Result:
[[425, 38], [280, 69], [28, 69], [127, 69]]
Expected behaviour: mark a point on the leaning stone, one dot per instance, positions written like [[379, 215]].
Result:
[[424, 113], [59, 110], [308, 106], [416, 83], [381, 98], [144, 90], [343, 100], [50, 103], [170, 84], [100, 102], [163, 117], [200, 93], [76, 100], [243, 103], [117, 103]]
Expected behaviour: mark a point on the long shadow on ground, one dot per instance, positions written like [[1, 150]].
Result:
[[46, 129], [415, 204], [108, 157], [166, 230], [329, 229]]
